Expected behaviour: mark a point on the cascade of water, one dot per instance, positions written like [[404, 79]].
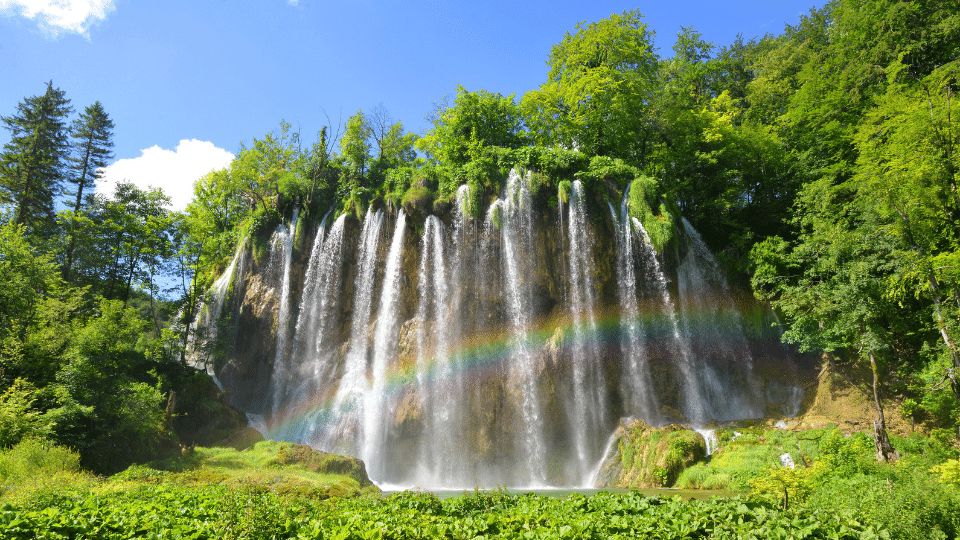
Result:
[[376, 406], [287, 373], [435, 367], [208, 316], [345, 432], [323, 299], [638, 389], [692, 393], [595, 473], [283, 243], [516, 235], [588, 382], [715, 329], [709, 438], [315, 336]]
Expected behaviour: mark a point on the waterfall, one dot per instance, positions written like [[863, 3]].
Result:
[[346, 431], [497, 349], [439, 392], [692, 393], [316, 335], [713, 324], [515, 215], [637, 387], [376, 409], [281, 250], [206, 322], [588, 381]]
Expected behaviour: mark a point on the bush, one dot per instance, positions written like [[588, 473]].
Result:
[[18, 418]]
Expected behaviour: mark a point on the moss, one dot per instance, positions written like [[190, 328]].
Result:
[[658, 221], [563, 191], [418, 202], [537, 182], [496, 216], [655, 457]]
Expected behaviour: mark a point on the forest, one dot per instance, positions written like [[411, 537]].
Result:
[[820, 164]]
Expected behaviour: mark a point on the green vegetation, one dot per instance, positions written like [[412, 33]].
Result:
[[205, 502], [820, 164], [652, 457]]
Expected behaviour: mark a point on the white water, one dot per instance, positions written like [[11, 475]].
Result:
[[692, 394], [709, 438], [713, 325], [588, 382], [282, 245], [638, 385], [207, 321], [516, 236], [439, 393], [376, 406], [346, 430]]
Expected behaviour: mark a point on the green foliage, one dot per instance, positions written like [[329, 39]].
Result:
[[598, 89], [32, 162], [33, 457], [948, 472], [475, 120], [18, 417], [418, 201], [791, 486], [659, 224], [218, 512]]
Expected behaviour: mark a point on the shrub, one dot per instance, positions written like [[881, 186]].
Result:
[[18, 418]]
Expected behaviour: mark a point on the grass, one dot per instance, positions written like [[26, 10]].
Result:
[[743, 457], [279, 467]]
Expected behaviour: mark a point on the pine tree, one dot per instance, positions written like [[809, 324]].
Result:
[[32, 163], [92, 140]]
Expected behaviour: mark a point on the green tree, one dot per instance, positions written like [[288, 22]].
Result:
[[35, 309], [599, 88], [32, 163], [355, 149], [92, 142], [92, 135], [123, 239], [907, 177]]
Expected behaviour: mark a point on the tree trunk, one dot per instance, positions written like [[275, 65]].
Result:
[[885, 451]]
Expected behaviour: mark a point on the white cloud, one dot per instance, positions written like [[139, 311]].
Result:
[[173, 171], [293, 3], [56, 15]]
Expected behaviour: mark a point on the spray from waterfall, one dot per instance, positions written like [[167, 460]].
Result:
[[692, 393], [346, 428], [589, 385], [637, 387], [377, 407], [715, 331]]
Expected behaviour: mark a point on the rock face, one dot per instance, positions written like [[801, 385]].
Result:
[[646, 457], [456, 351]]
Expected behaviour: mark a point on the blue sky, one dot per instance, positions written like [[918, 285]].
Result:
[[186, 81]]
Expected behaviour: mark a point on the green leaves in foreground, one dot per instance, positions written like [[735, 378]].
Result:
[[169, 511]]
